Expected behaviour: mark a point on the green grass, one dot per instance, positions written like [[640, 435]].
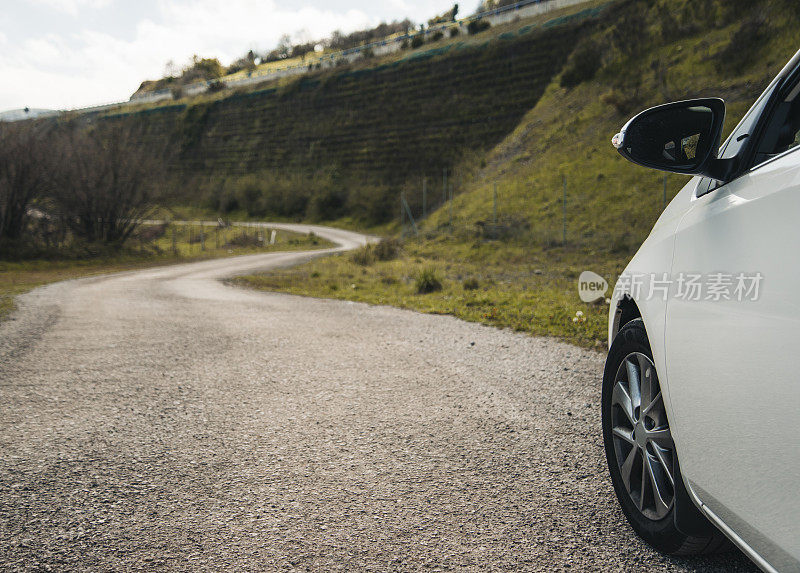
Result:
[[19, 277], [527, 280], [518, 287]]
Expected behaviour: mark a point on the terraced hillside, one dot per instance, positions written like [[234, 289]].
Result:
[[365, 130], [509, 250]]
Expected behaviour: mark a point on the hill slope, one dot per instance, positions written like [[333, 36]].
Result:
[[526, 279], [347, 141]]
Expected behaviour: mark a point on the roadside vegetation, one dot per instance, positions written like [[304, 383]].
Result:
[[494, 283], [504, 136], [514, 269]]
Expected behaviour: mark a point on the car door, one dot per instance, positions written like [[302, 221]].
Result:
[[732, 344]]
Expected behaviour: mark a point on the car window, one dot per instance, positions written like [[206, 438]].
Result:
[[739, 138], [782, 130], [741, 134]]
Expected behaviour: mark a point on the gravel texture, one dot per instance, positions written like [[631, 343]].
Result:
[[162, 420]]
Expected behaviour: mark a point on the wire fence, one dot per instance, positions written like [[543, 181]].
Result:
[[562, 224]]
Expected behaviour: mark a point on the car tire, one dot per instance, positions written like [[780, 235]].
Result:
[[639, 450]]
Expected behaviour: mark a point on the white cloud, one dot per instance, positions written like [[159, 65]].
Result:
[[400, 5], [86, 66], [72, 6]]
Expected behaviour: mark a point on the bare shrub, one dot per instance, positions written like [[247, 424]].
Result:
[[24, 177], [105, 181]]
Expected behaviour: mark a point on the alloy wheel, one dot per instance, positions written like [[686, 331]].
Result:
[[643, 444]]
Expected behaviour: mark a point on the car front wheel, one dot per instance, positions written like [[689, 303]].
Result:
[[639, 448]]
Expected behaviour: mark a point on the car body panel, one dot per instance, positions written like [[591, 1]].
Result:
[[653, 257], [732, 375]]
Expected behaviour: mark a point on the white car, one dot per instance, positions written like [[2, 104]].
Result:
[[701, 390]]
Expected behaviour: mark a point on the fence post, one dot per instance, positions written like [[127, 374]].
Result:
[[564, 219], [174, 240], [444, 185], [408, 212], [202, 238], [452, 192], [494, 208], [402, 219], [424, 197]]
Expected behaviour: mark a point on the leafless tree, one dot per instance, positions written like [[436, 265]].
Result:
[[24, 178], [106, 181]]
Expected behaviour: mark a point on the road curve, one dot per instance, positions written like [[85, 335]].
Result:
[[159, 419]]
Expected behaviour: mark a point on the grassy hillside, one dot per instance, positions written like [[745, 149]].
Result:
[[518, 273], [348, 141]]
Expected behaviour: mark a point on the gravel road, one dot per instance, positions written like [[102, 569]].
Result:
[[160, 419]]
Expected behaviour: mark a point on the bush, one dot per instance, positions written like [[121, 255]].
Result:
[[387, 249], [151, 232], [216, 86], [416, 41], [477, 26], [437, 36], [743, 47], [583, 64], [471, 284], [25, 175], [454, 31], [243, 240], [623, 104], [428, 281], [363, 256]]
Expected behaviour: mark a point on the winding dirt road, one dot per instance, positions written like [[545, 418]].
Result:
[[159, 419]]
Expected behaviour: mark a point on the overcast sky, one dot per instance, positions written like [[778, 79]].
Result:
[[62, 54]]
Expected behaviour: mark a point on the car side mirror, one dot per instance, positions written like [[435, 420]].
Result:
[[681, 137]]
